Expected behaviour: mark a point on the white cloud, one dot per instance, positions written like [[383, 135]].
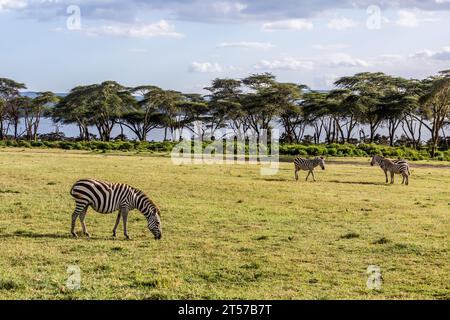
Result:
[[413, 18], [333, 46], [285, 64], [407, 19], [325, 81], [246, 44], [226, 7], [205, 67], [158, 29], [341, 24], [346, 60], [443, 54], [12, 4], [390, 57], [292, 24]]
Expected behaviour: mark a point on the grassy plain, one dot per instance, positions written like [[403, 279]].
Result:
[[228, 232]]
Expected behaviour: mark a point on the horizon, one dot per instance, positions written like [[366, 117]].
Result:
[[183, 45]]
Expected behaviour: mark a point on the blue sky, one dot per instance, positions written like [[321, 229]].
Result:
[[183, 45]]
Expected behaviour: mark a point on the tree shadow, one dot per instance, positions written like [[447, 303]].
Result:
[[359, 182]]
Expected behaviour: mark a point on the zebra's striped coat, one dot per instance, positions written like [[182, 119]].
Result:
[[308, 165], [402, 166], [105, 197]]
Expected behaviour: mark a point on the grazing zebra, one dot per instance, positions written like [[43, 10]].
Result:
[[105, 197], [308, 165], [378, 160]]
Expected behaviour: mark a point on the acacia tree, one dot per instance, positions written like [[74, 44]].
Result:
[[288, 97], [399, 99], [33, 111], [14, 112], [107, 102], [346, 110], [316, 113], [168, 103], [74, 108], [262, 104], [435, 105], [197, 116], [368, 88], [9, 92], [143, 115], [225, 107]]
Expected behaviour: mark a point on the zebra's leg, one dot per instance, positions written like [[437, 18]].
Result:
[[314, 178], [309, 172], [74, 220], [124, 214], [83, 224], [385, 173], [392, 177], [80, 207], [296, 174], [117, 223]]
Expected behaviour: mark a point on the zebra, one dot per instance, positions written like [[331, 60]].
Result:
[[105, 197], [379, 159], [308, 165]]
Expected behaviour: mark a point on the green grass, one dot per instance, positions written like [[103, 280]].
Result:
[[228, 232]]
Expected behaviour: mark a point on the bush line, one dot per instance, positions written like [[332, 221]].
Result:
[[330, 150]]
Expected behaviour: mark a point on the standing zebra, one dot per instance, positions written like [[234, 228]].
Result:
[[308, 165], [379, 160], [105, 197]]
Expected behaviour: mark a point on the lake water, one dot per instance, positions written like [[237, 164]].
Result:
[[71, 130]]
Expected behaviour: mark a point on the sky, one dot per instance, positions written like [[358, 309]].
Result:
[[182, 45]]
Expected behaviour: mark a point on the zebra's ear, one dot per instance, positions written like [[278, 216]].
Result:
[[322, 158]]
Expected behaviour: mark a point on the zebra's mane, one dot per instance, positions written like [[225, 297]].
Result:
[[144, 195]]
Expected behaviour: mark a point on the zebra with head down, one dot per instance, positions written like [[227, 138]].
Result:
[[105, 197], [393, 166]]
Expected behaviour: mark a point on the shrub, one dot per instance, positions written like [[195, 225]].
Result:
[[66, 145], [24, 144], [332, 151], [126, 146], [37, 144]]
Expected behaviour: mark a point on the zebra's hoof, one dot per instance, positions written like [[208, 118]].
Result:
[[127, 237], [88, 236], [74, 235]]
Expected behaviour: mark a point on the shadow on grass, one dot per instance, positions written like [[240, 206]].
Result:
[[26, 234], [277, 179], [32, 235], [359, 182]]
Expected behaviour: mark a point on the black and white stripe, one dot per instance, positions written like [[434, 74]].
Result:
[[402, 166], [308, 165], [105, 197]]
